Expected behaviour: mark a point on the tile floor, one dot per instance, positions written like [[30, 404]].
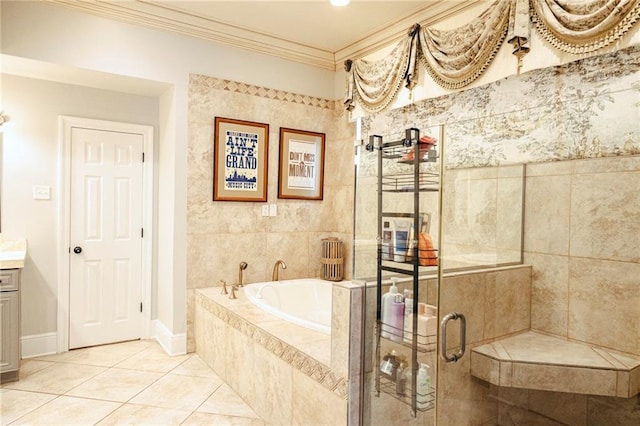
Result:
[[132, 383]]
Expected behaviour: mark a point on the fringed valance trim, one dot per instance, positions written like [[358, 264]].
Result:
[[585, 27], [456, 58], [377, 83]]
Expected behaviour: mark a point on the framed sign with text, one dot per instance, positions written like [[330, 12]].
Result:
[[301, 166], [240, 160]]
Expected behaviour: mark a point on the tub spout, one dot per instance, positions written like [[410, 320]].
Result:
[[274, 277], [241, 267]]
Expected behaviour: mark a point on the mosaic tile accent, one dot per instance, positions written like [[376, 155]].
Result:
[[289, 354], [198, 80]]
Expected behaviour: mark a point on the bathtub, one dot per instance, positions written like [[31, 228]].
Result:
[[304, 301]]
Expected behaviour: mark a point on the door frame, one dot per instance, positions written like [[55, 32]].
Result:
[[65, 125]]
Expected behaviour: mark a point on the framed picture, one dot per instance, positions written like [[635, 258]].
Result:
[[301, 166], [240, 159]]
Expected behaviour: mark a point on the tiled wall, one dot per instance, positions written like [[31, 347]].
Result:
[[586, 259], [582, 240], [222, 234]]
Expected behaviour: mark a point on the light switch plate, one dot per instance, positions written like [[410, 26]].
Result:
[[265, 210], [273, 210], [41, 192]]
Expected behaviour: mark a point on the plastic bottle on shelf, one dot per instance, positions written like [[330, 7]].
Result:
[[408, 317], [427, 324], [387, 301], [401, 379], [389, 365], [397, 318], [423, 387]]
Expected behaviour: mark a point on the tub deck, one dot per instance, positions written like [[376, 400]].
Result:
[[282, 370], [313, 343]]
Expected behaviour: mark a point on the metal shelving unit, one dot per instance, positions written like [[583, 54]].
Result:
[[411, 180]]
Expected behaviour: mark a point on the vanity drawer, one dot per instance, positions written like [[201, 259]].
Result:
[[9, 279]]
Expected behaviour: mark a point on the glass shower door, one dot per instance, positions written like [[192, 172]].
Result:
[[484, 290]]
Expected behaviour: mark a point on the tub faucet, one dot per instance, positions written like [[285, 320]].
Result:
[[274, 277], [234, 288], [241, 267], [224, 287]]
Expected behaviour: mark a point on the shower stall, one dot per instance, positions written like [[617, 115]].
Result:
[[473, 219], [528, 197]]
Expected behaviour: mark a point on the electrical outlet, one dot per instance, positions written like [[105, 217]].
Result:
[[265, 210], [273, 210], [41, 192]]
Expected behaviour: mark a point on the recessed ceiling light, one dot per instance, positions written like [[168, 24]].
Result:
[[339, 2]]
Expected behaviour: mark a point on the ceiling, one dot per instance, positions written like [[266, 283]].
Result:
[[307, 31]]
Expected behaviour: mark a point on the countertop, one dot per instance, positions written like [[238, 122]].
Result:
[[12, 253]]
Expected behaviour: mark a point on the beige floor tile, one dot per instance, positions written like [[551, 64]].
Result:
[[67, 410], [153, 358], [31, 366], [220, 420], [104, 355], [226, 401], [130, 414], [115, 384], [178, 392], [156, 389], [15, 404], [108, 355], [57, 379], [61, 357], [194, 366]]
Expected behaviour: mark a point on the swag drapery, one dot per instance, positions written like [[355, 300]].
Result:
[[455, 58]]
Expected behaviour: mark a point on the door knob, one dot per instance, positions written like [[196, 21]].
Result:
[[77, 250]]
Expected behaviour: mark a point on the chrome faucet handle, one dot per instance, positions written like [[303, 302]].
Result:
[[224, 287], [234, 288]]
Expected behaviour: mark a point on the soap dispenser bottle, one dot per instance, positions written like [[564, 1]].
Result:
[[387, 300], [423, 387]]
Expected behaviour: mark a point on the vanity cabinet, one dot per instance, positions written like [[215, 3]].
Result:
[[9, 324], [407, 169]]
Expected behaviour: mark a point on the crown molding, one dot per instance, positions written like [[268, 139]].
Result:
[[161, 16]]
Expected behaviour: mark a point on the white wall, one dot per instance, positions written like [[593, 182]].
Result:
[[30, 157], [52, 33], [80, 42]]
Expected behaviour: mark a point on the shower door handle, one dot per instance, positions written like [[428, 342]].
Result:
[[443, 336]]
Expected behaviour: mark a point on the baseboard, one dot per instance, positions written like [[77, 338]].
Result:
[[39, 345], [173, 344]]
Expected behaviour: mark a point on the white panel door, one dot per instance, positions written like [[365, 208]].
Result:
[[105, 289]]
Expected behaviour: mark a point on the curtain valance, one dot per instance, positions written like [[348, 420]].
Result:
[[455, 58], [584, 26]]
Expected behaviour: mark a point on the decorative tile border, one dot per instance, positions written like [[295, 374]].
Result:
[[198, 80], [312, 368]]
